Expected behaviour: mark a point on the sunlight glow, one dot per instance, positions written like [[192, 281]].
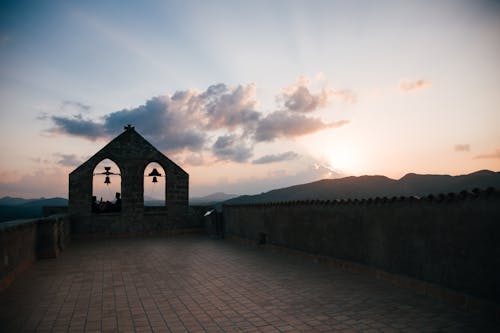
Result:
[[335, 110], [344, 160]]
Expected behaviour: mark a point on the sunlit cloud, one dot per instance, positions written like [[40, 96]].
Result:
[[345, 95], [228, 147], [194, 159], [272, 158], [407, 86], [281, 124], [493, 155], [230, 108], [68, 160], [174, 122], [9, 176], [222, 120], [41, 183], [462, 147], [40, 160], [298, 97], [170, 125], [272, 179]]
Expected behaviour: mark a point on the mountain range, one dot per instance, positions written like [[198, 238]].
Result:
[[326, 189], [373, 186], [19, 208], [211, 199]]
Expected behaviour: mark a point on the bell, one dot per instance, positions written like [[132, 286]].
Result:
[[107, 181], [154, 173], [155, 180]]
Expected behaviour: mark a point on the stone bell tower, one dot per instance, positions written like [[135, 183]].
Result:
[[131, 153]]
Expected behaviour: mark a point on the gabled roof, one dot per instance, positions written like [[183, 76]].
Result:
[[129, 145]]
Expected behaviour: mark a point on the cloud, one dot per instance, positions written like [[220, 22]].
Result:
[[223, 120], [75, 105], [408, 86], [40, 160], [69, 160], [273, 180], [77, 126], [298, 98], [283, 124], [42, 116], [194, 159], [230, 108], [41, 183], [228, 147], [9, 176], [494, 155], [175, 122], [170, 125], [462, 147], [345, 95], [286, 156]]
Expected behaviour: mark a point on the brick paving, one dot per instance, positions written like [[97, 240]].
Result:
[[195, 284]]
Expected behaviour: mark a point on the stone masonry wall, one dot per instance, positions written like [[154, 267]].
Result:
[[24, 241], [452, 241], [132, 153]]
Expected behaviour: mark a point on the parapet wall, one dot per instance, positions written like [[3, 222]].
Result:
[[153, 220], [24, 241], [451, 240]]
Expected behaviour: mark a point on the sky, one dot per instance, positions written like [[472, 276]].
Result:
[[248, 96]]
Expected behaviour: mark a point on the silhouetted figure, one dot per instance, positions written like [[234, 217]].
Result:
[[95, 206], [118, 203], [107, 206], [104, 206]]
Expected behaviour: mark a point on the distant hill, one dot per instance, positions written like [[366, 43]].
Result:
[[19, 208], [326, 189], [211, 198], [10, 201], [373, 186], [154, 202]]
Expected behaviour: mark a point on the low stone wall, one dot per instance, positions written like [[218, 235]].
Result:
[[147, 220], [447, 240], [213, 223], [196, 215], [53, 210], [24, 241]]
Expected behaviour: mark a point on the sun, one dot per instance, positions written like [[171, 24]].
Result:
[[344, 160]]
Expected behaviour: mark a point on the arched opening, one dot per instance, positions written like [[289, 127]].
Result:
[[155, 182], [106, 187]]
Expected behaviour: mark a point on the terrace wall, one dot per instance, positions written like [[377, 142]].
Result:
[[24, 241], [449, 240]]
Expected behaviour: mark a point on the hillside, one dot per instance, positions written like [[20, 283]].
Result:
[[211, 198], [18, 208], [373, 186], [326, 189]]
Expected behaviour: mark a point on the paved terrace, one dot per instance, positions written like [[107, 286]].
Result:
[[194, 284]]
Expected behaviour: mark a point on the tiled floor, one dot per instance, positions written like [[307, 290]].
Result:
[[185, 283]]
